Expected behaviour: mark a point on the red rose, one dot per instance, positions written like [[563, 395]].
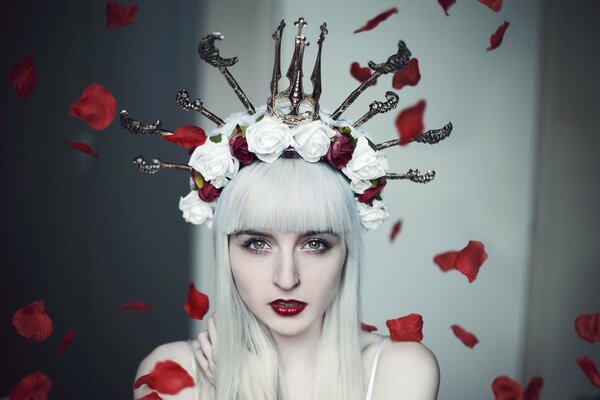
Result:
[[206, 191], [239, 148], [340, 151], [370, 194]]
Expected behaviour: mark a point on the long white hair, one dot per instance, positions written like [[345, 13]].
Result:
[[288, 195]]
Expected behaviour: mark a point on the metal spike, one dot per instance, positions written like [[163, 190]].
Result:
[[431, 137], [157, 164], [209, 53], [378, 107], [140, 128], [315, 78], [393, 63], [413, 175], [183, 101], [295, 92], [277, 35]]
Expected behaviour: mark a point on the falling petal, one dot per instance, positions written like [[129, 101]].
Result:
[[589, 368], [407, 328], [367, 327], [96, 107], [495, 5], [167, 377], [361, 74], [196, 305], [588, 327], [466, 337], [395, 230], [187, 136], [22, 76], [498, 36], [534, 388], [446, 261], [377, 20], [65, 342], [151, 396], [32, 322], [446, 4], [410, 75], [505, 388], [82, 147], [470, 259], [135, 306], [118, 15], [409, 122], [35, 386]]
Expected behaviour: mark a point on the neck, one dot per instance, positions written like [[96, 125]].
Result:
[[298, 353]]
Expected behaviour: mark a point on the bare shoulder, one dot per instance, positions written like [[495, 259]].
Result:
[[406, 370], [179, 352]]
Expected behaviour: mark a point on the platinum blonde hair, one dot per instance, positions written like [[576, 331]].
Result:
[[288, 195]]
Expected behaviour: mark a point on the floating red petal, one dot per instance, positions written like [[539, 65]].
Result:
[[495, 5], [96, 107], [367, 327], [446, 4], [407, 328], [32, 322], [167, 377], [589, 368], [361, 74], [505, 388], [151, 396], [135, 306], [409, 123], [446, 261], [410, 75], [187, 136], [395, 230], [372, 23], [197, 303], [118, 15], [65, 342], [588, 327], [82, 147], [33, 387], [22, 76], [466, 337], [497, 37], [470, 259], [534, 388]]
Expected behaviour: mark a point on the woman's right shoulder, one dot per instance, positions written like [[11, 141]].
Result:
[[180, 352]]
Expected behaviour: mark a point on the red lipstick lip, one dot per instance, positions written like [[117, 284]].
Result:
[[287, 310]]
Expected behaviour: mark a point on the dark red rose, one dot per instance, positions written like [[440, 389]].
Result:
[[206, 191], [340, 151], [239, 148], [370, 194]]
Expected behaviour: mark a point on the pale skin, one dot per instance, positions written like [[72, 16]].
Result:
[[303, 266]]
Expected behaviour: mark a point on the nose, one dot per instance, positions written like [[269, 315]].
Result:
[[286, 275]]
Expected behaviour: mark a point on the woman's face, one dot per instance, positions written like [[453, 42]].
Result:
[[288, 280]]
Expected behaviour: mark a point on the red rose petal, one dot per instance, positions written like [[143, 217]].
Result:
[[466, 337], [446, 261], [410, 75], [96, 107], [495, 5], [135, 306], [589, 368], [118, 15], [151, 396], [33, 387], [497, 37], [361, 74], [534, 388], [470, 259], [196, 305], [395, 230], [82, 147], [377, 20], [407, 328], [446, 4], [409, 122], [588, 327], [32, 322], [65, 342], [187, 136], [22, 76], [167, 377], [367, 327], [505, 388]]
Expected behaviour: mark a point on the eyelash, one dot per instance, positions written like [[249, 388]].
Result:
[[248, 243]]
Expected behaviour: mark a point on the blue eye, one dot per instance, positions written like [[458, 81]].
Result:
[[256, 245], [317, 245]]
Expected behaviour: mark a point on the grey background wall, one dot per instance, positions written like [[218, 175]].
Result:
[[519, 174]]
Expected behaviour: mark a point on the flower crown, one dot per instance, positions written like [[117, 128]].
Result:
[[291, 125]]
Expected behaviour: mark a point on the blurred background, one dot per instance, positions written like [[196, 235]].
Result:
[[519, 173]]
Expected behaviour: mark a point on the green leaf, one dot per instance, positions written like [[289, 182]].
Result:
[[216, 138], [198, 179], [260, 117]]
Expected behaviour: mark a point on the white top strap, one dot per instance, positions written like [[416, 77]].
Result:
[[374, 368]]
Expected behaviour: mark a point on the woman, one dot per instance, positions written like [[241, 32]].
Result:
[[290, 250]]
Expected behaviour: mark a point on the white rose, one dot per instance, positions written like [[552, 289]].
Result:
[[312, 140], [242, 119], [372, 217], [360, 186], [219, 182], [366, 164], [195, 210], [268, 138], [214, 160]]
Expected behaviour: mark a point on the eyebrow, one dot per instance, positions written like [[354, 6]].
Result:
[[251, 232]]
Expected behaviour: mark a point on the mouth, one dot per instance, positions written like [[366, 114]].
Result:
[[287, 308]]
